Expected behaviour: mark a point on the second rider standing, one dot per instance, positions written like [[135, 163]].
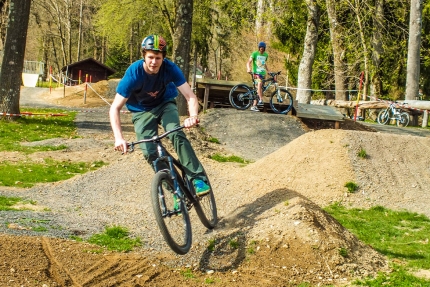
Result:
[[258, 59]]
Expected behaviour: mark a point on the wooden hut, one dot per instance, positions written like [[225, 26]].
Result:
[[87, 70]]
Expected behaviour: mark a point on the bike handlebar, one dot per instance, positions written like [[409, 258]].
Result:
[[272, 74], [155, 138]]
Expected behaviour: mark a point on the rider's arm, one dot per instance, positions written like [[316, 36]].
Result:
[[248, 65], [115, 122], [193, 105]]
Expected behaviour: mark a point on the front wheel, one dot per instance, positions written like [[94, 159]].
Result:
[[206, 208], [171, 214], [240, 97], [281, 101], [383, 117], [403, 119]]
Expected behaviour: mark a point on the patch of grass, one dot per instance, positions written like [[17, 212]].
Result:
[[399, 278], [26, 174], [76, 238], [251, 247], [209, 280], [115, 238], [343, 252], [187, 273], [351, 186], [397, 234], [232, 158], [6, 203], [37, 128], [44, 124], [233, 243], [214, 140], [39, 228], [362, 153], [211, 245]]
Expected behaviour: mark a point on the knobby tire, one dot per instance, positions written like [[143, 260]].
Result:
[[174, 224], [282, 103], [383, 117], [403, 119], [206, 208], [240, 97]]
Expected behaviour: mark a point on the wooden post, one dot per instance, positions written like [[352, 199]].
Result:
[[425, 118], [206, 98], [85, 92]]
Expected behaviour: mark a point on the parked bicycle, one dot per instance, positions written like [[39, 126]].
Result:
[[281, 101], [393, 112], [173, 196]]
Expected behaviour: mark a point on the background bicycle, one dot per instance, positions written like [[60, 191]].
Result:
[[281, 101], [393, 112], [173, 196]]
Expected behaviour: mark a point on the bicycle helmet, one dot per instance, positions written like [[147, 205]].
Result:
[[261, 45], [154, 43]]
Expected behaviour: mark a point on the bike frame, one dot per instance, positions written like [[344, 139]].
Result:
[[271, 80], [179, 178]]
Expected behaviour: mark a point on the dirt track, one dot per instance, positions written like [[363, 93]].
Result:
[[272, 206]]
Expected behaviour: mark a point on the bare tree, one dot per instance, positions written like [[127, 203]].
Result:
[[337, 43], [304, 82], [182, 43], [413, 65], [377, 48], [13, 59]]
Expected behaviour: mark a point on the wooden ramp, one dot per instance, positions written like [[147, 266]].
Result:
[[214, 94]]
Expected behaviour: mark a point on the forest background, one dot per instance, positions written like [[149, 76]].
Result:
[[355, 36]]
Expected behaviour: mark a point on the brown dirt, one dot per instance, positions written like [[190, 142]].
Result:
[[271, 207]]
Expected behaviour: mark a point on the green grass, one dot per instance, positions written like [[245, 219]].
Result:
[[232, 158], [187, 273], [115, 238], [351, 186], [6, 203], [26, 174], [362, 153], [399, 235], [211, 244], [34, 128]]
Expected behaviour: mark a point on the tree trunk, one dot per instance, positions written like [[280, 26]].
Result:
[[11, 68], [364, 45], [338, 51], [378, 50], [413, 65], [304, 82], [259, 20], [182, 44]]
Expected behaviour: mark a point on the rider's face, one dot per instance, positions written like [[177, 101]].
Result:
[[153, 61]]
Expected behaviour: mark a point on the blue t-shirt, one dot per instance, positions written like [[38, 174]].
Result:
[[146, 91]]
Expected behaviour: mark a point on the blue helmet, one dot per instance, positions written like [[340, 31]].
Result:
[[261, 45]]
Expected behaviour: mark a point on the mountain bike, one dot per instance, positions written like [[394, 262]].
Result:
[[392, 112], [173, 196], [241, 96]]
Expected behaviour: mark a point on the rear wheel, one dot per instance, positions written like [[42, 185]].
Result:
[[383, 117], [240, 97], [206, 208], [281, 101], [171, 214], [403, 120]]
